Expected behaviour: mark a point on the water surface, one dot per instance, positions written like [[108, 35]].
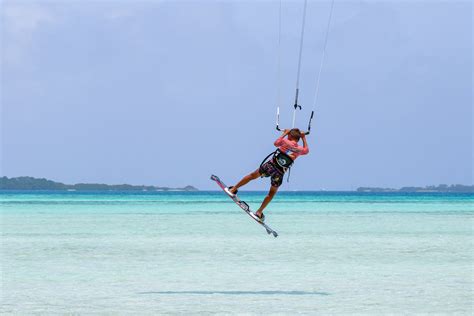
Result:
[[198, 253]]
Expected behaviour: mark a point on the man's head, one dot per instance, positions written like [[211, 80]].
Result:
[[294, 134]]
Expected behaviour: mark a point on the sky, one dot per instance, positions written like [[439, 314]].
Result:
[[169, 92]]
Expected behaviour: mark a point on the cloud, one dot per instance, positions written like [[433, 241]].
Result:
[[118, 13], [24, 18], [21, 20]]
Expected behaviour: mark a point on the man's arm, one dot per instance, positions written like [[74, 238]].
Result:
[[305, 144], [285, 132], [279, 141]]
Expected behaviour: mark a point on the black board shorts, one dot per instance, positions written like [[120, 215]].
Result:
[[270, 169]]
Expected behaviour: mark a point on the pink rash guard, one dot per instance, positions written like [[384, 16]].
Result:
[[290, 147]]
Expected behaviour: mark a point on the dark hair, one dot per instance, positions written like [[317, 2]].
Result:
[[295, 133]]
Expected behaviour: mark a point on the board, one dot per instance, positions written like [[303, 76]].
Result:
[[243, 205]]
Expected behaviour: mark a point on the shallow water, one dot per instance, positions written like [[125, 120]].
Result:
[[198, 253]]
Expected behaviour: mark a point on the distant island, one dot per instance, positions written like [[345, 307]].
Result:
[[459, 188], [30, 183]]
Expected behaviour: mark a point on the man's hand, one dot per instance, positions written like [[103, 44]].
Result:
[[305, 143]]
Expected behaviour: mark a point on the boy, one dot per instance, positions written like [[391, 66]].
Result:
[[288, 150]]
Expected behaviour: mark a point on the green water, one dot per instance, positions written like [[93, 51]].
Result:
[[198, 253]]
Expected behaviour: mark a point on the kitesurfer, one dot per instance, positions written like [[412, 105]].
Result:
[[275, 168]]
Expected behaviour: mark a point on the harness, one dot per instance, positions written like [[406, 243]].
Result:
[[282, 161]]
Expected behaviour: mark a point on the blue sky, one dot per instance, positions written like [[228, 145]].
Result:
[[168, 92]]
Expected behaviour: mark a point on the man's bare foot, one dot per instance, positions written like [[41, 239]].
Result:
[[231, 191], [260, 215]]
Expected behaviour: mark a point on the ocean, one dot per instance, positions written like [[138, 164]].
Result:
[[197, 253]]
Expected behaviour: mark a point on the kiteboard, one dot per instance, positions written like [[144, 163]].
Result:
[[243, 205]]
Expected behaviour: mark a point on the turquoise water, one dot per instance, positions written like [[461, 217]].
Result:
[[198, 253]]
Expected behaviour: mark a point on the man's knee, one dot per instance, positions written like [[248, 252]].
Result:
[[255, 174], [273, 191]]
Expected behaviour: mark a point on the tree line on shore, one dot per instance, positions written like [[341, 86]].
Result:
[[30, 183], [431, 188]]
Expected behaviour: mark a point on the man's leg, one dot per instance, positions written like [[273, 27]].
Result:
[[268, 198], [251, 176]]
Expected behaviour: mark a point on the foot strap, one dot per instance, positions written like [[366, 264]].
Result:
[[236, 191]]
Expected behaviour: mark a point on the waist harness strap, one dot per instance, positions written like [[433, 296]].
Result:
[[282, 160]]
